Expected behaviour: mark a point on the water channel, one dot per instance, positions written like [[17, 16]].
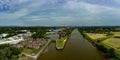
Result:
[[77, 48]]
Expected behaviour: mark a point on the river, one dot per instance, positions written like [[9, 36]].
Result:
[[77, 48]]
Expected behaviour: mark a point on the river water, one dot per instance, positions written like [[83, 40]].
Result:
[[77, 48]]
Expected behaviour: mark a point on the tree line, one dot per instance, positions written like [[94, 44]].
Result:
[[39, 34], [8, 52]]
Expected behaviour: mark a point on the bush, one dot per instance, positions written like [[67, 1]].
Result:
[[7, 52]]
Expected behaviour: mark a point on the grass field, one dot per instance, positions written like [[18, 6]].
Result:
[[113, 42], [96, 36], [31, 50], [61, 42], [116, 33]]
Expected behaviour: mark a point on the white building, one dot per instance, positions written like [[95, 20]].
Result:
[[15, 39], [11, 40], [3, 35]]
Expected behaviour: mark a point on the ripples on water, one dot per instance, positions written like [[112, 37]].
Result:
[[77, 48]]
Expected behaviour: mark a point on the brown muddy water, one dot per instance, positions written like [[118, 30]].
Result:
[[77, 48]]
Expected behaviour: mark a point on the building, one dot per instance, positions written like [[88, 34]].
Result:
[[14, 39], [3, 35]]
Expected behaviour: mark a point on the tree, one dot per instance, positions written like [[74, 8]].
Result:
[[102, 48], [39, 34], [111, 52], [7, 52], [15, 51]]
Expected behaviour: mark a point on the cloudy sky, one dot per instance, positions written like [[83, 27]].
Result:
[[59, 12]]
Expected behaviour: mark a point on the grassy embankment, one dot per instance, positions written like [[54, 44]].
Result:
[[108, 44], [113, 43], [60, 43]]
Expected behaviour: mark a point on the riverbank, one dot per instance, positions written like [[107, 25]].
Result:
[[60, 43], [35, 57], [76, 48], [107, 51]]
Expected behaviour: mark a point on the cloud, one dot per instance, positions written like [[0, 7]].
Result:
[[59, 12], [15, 15], [75, 5]]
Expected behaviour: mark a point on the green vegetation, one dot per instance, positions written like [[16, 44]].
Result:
[[65, 32], [30, 50], [60, 43], [101, 30], [39, 34], [9, 53], [103, 39], [16, 30], [113, 42], [96, 36]]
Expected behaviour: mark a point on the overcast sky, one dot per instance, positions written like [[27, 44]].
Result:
[[59, 12]]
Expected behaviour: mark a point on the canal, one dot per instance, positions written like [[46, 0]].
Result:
[[77, 48]]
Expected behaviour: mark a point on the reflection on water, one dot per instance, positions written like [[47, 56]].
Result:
[[77, 48]]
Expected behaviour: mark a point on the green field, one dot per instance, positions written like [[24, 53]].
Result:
[[116, 33], [96, 36], [61, 42], [106, 40], [113, 42], [30, 51]]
